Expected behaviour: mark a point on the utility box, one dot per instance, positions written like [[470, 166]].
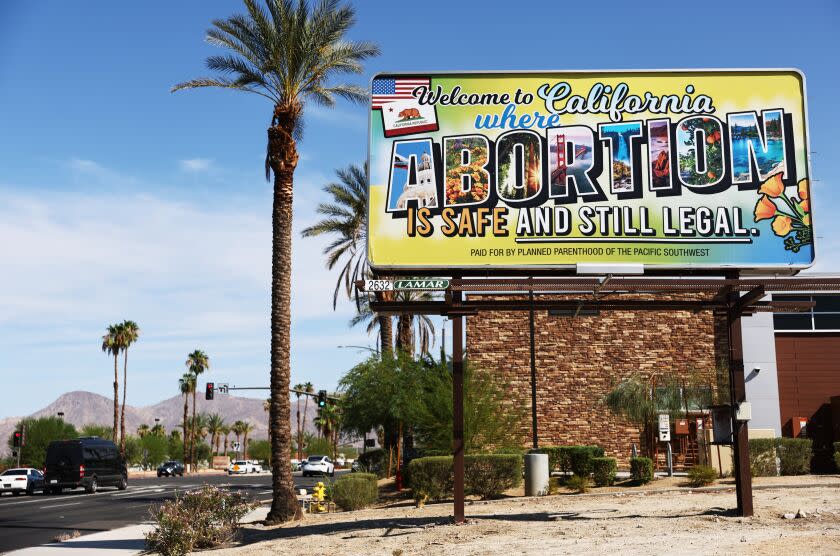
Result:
[[800, 427], [721, 424], [536, 474], [681, 426]]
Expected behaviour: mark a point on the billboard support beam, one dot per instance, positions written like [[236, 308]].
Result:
[[458, 409]]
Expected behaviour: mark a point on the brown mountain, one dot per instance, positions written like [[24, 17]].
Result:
[[81, 408]]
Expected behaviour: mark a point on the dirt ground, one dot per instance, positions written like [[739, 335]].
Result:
[[622, 520]]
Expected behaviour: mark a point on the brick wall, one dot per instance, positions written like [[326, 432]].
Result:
[[580, 359]]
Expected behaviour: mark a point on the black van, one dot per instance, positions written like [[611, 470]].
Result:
[[89, 462]]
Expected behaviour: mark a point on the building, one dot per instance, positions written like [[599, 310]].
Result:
[[792, 367]]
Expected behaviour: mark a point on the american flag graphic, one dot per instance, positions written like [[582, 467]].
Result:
[[390, 89]]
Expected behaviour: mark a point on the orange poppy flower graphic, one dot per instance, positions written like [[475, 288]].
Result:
[[791, 219]]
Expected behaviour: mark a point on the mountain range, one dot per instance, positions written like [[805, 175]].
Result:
[[81, 408]]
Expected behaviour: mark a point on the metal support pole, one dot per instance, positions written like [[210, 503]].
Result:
[[458, 409], [738, 393], [534, 437]]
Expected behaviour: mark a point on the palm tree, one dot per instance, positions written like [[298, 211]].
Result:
[[328, 418], [143, 430], [226, 432], [237, 429], [408, 324], [309, 389], [175, 434], [197, 362], [247, 428], [298, 389], [130, 334], [346, 220], [286, 54], [215, 423], [111, 344], [158, 430], [187, 387]]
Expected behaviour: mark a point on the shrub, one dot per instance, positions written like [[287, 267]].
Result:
[[641, 470], [604, 471], [570, 459], [795, 456], [353, 492], [200, 519], [763, 457], [702, 475], [489, 475], [554, 484], [430, 477], [579, 484], [369, 476], [375, 461]]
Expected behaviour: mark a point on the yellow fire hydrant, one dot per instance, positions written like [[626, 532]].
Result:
[[318, 495]]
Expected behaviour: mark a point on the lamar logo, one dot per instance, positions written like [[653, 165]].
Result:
[[419, 284]]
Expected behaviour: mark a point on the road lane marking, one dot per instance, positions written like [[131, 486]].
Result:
[[266, 492], [59, 505]]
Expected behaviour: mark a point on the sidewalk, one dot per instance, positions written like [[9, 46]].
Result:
[[124, 541]]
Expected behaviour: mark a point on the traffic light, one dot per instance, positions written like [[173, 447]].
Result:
[[17, 442], [322, 398], [208, 393]]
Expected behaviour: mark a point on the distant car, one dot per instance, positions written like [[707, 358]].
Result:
[[340, 460], [243, 466], [258, 468], [88, 462], [21, 479], [170, 469], [318, 465]]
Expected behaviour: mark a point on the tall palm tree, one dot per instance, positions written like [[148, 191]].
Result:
[[197, 362], [298, 389], [158, 430], [215, 423], [345, 219], [111, 344], [130, 334], [247, 428], [409, 325], [143, 430], [287, 52], [328, 417], [187, 387], [309, 389], [237, 428], [226, 432]]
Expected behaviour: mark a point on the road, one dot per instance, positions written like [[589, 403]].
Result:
[[34, 520]]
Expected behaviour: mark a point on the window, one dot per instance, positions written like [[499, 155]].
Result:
[[825, 315]]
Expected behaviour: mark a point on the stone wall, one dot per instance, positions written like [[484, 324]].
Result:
[[580, 359]]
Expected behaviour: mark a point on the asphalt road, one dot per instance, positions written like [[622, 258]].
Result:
[[34, 520]]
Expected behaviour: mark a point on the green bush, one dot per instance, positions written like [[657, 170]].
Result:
[[375, 461], [641, 470], [604, 471], [795, 456], [579, 484], [369, 476], [570, 459], [702, 475], [763, 457], [430, 477], [200, 519], [354, 492], [489, 475], [837, 456]]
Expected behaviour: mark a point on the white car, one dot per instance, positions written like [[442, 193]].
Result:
[[243, 467], [340, 460], [318, 465], [20, 480]]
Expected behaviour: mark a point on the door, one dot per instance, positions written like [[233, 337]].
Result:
[[808, 376]]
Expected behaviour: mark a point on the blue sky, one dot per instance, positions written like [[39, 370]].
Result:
[[120, 200]]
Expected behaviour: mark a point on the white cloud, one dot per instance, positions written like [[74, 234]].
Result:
[[195, 164]]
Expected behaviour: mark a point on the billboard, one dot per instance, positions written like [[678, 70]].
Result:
[[667, 169]]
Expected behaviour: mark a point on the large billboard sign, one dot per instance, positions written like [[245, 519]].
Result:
[[668, 169]]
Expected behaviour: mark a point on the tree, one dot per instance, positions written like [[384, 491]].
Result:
[[309, 389], [197, 362], [329, 419], [92, 429], [298, 389], [226, 432], [345, 220], [215, 423], [142, 430], [259, 450], [247, 428], [158, 430], [186, 386], [38, 433], [286, 53], [111, 344], [408, 324], [129, 333], [238, 428]]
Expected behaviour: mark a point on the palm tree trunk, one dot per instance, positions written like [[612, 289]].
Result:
[[298, 426], [245, 446], [303, 427], [282, 158], [405, 336], [192, 434], [186, 408], [122, 411], [386, 335], [116, 400]]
